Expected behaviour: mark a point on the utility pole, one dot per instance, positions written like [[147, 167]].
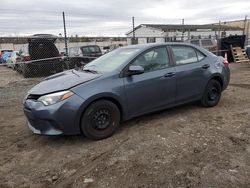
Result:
[[65, 37], [247, 35], [133, 22], [245, 22], [244, 31], [219, 30], [182, 36]]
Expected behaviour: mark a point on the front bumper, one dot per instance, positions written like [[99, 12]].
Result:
[[62, 118]]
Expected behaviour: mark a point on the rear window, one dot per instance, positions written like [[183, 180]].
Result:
[[91, 49], [206, 43], [42, 49]]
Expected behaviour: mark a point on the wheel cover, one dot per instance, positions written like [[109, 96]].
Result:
[[213, 94], [101, 119]]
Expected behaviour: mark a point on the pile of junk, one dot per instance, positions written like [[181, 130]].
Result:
[[234, 48]]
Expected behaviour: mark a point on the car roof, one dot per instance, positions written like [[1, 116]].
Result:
[[42, 37], [84, 46], [150, 45], [143, 47], [89, 46]]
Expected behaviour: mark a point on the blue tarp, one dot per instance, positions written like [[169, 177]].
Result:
[[6, 56]]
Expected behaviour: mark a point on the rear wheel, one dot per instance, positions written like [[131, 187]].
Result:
[[100, 120], [212, 94]]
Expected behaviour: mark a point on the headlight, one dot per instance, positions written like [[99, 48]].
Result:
[[25, 98], [55, 97]]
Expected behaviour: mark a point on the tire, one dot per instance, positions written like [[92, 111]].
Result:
[[212, 94], [100, 120]]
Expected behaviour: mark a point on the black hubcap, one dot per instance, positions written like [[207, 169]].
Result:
[[213, 94], [101, 119]]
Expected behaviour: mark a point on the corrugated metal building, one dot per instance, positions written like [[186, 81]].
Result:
[[150, 33]]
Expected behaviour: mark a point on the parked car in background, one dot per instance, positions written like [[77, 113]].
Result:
[[122, 84], [80, 56], [14, 58], [40, 56], [4, 55], [111, 47], [209, 44]]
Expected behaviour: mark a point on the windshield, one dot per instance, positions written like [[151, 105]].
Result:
[[111, 61]]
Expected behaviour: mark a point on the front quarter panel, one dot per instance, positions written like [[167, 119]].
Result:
[[110, 86]]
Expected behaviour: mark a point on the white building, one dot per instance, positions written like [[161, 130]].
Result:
[[151, 33]]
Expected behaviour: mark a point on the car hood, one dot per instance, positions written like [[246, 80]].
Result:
[[62, 81]]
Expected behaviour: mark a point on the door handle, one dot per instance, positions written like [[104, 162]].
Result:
[[169, 74], [205, 66]]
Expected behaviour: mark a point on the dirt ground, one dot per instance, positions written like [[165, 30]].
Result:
[[187, 146]]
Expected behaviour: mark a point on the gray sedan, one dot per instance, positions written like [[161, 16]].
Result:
[[125, 83]]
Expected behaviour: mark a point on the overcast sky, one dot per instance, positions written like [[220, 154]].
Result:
[[111, 17]]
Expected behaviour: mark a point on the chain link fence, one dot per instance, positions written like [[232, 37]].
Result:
[[41, 57], [24, 61]]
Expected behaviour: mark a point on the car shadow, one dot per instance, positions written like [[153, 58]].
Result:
[[125, 127], [144, 120]]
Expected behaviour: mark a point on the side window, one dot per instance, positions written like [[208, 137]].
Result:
[[184, 55], [200, 56], [153, 60]]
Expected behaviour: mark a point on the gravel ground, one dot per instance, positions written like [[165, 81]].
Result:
[[187, 146]]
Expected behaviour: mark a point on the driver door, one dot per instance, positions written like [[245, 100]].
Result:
[[155, 88]]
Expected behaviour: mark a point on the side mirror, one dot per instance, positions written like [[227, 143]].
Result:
[[135, 70]]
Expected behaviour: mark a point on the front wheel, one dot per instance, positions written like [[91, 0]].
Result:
[[100, 120], [212, 94]]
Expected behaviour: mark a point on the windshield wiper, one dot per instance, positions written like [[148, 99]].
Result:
[[90, 70]]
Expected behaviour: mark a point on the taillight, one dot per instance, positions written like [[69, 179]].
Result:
[[26, 58]]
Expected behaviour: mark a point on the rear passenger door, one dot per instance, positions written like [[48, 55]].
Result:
[[192, 72]]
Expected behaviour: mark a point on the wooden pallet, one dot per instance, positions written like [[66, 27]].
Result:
[[239, 55]]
